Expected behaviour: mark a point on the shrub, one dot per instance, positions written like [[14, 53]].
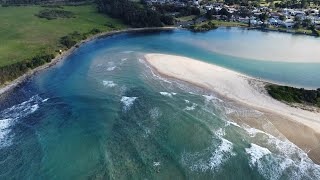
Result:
[[54, 14], [12, 71], [294, 95]]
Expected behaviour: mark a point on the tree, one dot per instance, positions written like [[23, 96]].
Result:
[[210, 13], [306, 23], [282, 17], [131, 13], [225, 12], [263, 17], [244, 12]]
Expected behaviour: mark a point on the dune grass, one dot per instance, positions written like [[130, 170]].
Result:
[[24, 35]]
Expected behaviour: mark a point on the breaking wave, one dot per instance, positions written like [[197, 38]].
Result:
[[109, 83], [281, 159], [127, 102], [168, 94], [256, 153], [9, 116], [218, 155], [190, 108]]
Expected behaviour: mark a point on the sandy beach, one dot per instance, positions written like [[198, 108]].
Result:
[[301, 127]]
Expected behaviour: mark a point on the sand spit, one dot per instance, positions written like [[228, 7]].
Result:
[[299, 126]]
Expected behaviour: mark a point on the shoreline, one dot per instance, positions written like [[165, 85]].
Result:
[[12, 84], [7, 87], [299, 126], [286, 31]]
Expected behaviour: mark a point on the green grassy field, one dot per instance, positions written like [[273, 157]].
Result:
[[186, 18], [24, 35], [229, 24]]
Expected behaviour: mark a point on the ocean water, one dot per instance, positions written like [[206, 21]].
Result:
[[104, 114]]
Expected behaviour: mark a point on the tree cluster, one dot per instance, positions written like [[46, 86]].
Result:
[[54, 14], [12, 71], [30, 2], [295, 95], [204, 27], [296, 3], [132, 13], [183, 11]]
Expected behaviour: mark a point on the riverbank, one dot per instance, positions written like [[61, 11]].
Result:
[[299, 126], [11, 85], [219, 23]]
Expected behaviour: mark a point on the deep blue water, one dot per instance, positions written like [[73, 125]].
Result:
[[103, 114]]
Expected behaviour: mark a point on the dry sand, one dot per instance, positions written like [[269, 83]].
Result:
[[299, 126]]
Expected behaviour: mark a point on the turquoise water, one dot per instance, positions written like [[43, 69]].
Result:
[[104, 114]]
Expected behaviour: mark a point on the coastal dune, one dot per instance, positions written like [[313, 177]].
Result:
[[247, 91]]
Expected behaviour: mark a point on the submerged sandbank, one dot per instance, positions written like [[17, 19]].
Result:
[[246, 91], [258, 45]]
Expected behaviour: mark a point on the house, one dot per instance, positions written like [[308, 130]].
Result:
[[208, 7], [275, 22], [231, 10], [289, 23]]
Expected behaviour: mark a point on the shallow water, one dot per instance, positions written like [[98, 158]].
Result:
[[104, 114]]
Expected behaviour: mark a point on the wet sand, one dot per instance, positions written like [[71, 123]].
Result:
[[299, 126]]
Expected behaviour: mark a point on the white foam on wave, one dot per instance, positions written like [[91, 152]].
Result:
[[190, 108], [124, 59], [109, 83], [111, 68], [10, 115], [221, 154], [286, 159], [228, 123], [4, 131], [256, 153], [156, 163], [168, 94], [141, 61], [209, 98], [127, 102], [218, 155]]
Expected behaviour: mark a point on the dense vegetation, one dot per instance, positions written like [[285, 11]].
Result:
[[133, 13], [203, 27], [295, 95], [72, 38], [12, 71], [29, 2], [54, 14], [278, 3], [183, 11]]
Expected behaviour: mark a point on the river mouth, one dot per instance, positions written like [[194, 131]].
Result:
[[104, 113]]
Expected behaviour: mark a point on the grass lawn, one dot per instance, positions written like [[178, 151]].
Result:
[[23, 35], [186, 18], [228, 24]]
